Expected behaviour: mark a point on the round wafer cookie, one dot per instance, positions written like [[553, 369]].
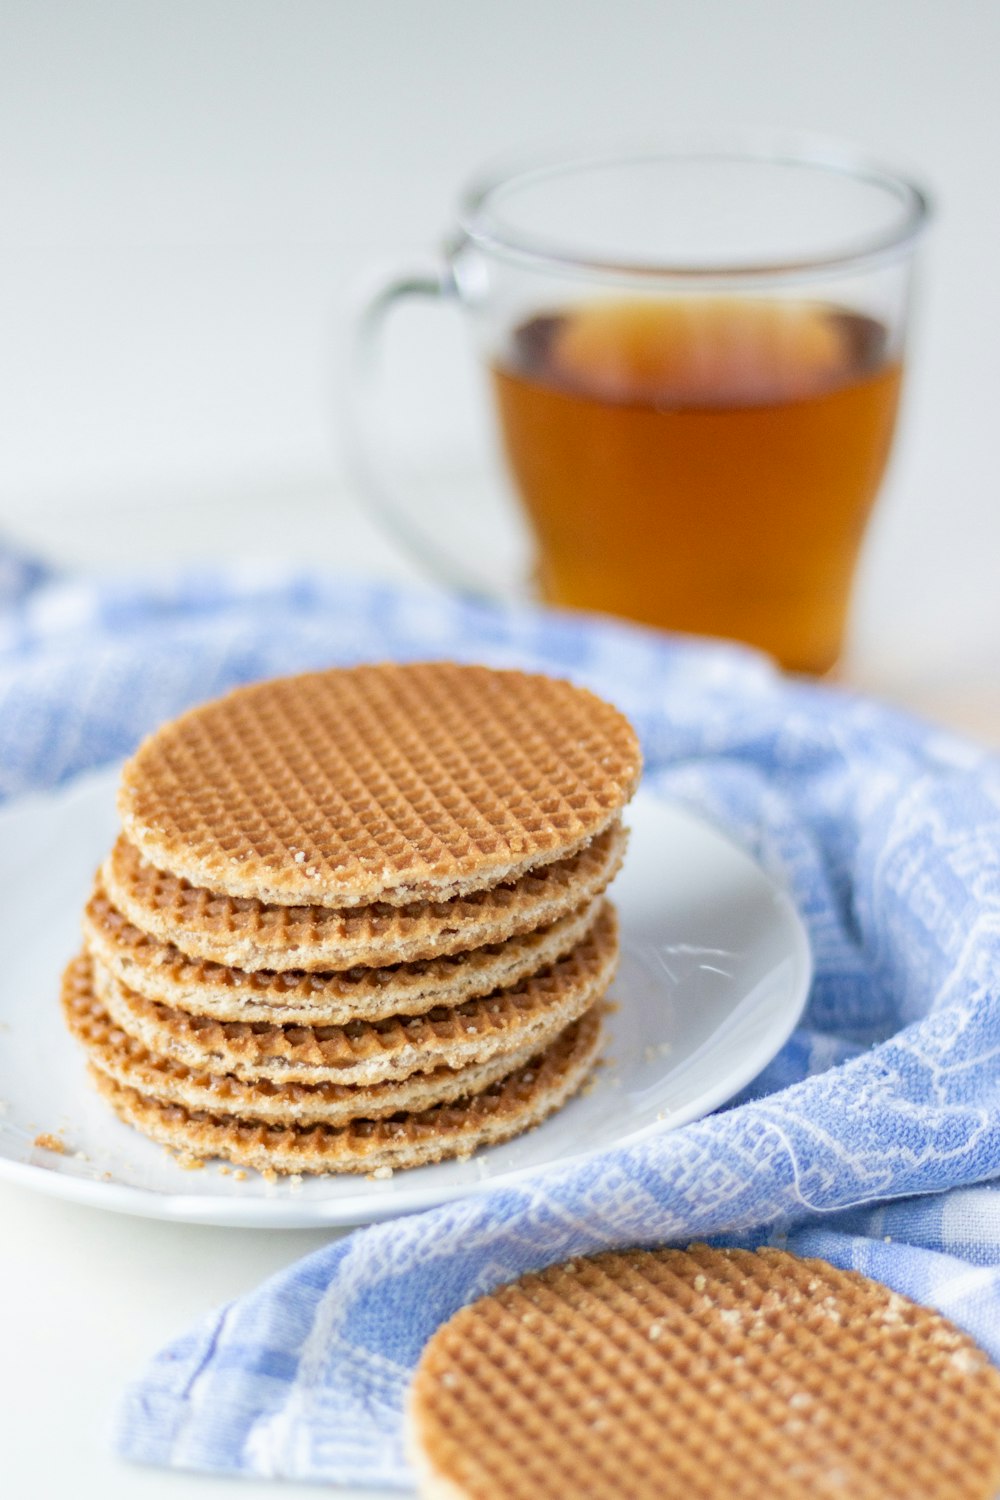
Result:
[[250, 935], [127, 1062], [367, 1052], [701, 1373], [522, 1099], [159, 971], [389, 783]]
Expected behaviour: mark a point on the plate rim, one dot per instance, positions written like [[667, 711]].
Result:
[[264, 1212]]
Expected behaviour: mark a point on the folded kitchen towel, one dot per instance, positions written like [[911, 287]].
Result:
[[872, 1139]]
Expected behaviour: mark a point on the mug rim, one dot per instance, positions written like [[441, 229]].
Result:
[[751, 147]]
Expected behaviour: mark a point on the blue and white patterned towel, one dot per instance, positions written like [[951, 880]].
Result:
[[873, 1139]]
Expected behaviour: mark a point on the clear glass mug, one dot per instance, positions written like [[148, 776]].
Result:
[[695, 355]]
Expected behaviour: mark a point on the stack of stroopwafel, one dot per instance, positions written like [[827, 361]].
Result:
[[355, 919]]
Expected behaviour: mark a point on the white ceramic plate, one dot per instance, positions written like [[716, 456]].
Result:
[[714, 974]]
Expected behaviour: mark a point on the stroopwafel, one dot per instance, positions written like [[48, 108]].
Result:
[[364, 1052], [520, 1100], [391, 783], [159, 971], [127, 1062], [251, 935], [700, 1373]]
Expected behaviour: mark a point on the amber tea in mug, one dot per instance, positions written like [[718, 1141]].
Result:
[[694, 353], [707, 463]]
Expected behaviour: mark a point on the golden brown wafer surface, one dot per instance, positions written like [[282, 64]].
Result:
[[160, 971], [251, 935], [367, 1052], [387, 783], [519, 1101], [699, 1374], [127, 1062]]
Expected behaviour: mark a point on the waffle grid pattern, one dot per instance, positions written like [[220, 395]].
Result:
[[370, 1052], [702, 1373], [127, 1062], [252, 935], [381, 783], [160, 971], [520, 1100]]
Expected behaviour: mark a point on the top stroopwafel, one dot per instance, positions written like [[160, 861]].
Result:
[[388, 783], [700, 1373]]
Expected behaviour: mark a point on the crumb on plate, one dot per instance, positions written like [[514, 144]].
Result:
[[48, 1142]]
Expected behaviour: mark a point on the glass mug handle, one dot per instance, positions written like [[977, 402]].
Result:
[[432, 280]]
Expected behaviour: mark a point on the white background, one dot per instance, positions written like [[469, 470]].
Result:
[[187, 190]]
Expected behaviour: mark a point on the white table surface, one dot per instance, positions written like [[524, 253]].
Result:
[[88, 1298], [187, 192]]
